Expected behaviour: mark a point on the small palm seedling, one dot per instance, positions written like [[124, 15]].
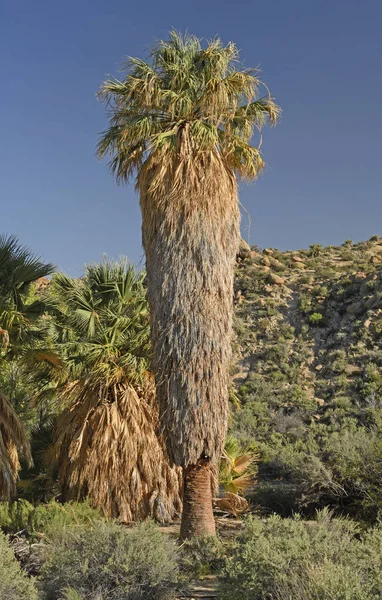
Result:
[[238, 472]]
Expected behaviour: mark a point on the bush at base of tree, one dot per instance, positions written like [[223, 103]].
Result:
[[43, 518], [110, 562], [14, 584], [326, 559]]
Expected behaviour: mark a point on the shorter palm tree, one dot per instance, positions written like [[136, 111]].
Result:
[[19, 268], [108, 448]]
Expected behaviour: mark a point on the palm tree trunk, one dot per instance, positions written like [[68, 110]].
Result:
[[190, 227], [197, 517]]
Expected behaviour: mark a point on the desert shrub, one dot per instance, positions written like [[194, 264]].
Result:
[[14, 584], [109, 561], [328, 559], [315, 318], [71, 594], [278, 496], [290, 426], [21, 514], [315, 249], [342, 470], [305, 303], [201, 556]]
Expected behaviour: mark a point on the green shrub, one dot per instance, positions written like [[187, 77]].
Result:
[[110, 562], [21, 514], [328, 559], [201, 556], [278, 496], [71, 594], [342, 470], [14, 584], [315, 318]]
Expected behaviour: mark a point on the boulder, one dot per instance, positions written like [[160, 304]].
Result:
[[265, 260], [372, 301], [276, 279], [244, 249], [352, 369], [355, 307], [276, 263]]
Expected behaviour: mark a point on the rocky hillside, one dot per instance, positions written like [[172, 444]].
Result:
[[309, 359]]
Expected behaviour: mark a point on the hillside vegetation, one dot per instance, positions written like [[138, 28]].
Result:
[[308, 375]]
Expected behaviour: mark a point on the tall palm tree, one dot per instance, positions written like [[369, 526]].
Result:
[[183, 123], [108, 448], [19, 268]]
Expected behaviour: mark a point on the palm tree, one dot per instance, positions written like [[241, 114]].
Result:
[[19, 268], [107, 446], [182, 123]]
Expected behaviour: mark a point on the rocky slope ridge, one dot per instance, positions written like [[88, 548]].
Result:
[[309, 358]]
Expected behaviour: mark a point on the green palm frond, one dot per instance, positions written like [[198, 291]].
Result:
[[238, 466], [100, 324], [184, 83], [18, 312], [18, 269]]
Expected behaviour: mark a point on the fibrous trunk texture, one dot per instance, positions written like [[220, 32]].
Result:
[[109, 451], [197, 517], [12, 438], [190, 226]]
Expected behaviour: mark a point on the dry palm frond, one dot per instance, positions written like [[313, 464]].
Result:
[[4, 338], [13, 439], [231, 503], [183, 123], [109, 451]]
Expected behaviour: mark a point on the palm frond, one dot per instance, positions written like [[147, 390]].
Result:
[[185, 83], [13, 439]]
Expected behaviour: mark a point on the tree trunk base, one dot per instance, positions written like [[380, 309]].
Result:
[[197, 517]]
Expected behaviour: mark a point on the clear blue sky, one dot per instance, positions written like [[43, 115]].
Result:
[[321, 59]]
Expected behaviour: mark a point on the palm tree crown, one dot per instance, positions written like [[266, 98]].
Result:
[[186, 100], [101, 324]]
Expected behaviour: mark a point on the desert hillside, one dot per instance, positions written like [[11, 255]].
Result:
[[307, 370]]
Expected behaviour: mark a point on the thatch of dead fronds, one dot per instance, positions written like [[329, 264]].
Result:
[[190, 283], [183, 122], [108, 448], [13, 439]]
